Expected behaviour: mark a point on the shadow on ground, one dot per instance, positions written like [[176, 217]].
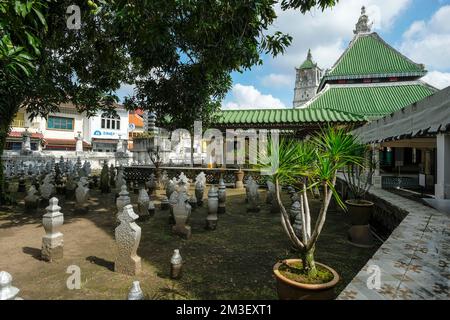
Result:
[[233, 262]]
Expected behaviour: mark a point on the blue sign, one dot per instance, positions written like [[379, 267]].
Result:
[[103, 133]]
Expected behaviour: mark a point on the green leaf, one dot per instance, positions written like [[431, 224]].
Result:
[[41, 18]]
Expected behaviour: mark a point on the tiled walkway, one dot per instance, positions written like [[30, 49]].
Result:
[[414, 261]]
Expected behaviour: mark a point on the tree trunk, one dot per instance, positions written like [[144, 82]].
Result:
[[192, 151], [285, 222], [10, 101], [2, 176], [5, 122], [309, 265]]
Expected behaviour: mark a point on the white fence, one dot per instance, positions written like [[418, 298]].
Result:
[[96, 159]]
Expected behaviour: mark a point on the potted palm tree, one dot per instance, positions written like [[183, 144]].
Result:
[[358, 178], [313, 163]]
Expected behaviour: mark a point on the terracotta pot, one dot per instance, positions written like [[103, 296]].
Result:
[[288, 289], [360, 211]]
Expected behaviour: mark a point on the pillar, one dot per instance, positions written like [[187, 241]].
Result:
[[376, 179], [427, 161], [442, 188], [427, 168], [399, 157]]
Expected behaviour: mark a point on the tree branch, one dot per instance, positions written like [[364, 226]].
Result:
[[307, 212], [322, 216], [285, 219]]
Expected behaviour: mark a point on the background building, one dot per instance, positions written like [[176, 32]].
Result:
[[371, 78], [307, 81], [18, 126], [105, 130], [58, 132], [135, 126], [417, 141]]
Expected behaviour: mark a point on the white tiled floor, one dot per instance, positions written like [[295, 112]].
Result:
[[414, 261]]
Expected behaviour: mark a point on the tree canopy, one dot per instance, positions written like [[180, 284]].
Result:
[[179, 54]]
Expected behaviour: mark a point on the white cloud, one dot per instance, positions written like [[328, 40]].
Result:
[[438, 79], [248, 97], [125, 90], [428, 42], [328, 33], [417, 28], [278, 80]]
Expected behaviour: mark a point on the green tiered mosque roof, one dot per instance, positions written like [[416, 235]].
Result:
[[376, 80], [369, 56], [285, 117], [372, 101]]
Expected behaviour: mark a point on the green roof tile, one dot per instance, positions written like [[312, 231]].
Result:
[[369, 55], [308, 64], [285, 116], [370, 100]]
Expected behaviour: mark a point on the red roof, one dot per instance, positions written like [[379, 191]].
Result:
[[64, 142], [18, 134]]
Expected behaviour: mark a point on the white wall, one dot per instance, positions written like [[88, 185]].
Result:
[[39, 125], [96, 131], [89, 127], [95, 158], [78, 126]]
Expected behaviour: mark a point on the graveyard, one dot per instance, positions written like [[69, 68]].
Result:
[[233, 261], [146, 154]]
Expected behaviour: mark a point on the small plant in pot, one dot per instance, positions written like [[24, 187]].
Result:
[[310, 164], [358, 178]]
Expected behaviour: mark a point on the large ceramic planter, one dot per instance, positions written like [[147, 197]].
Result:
[[360, 211], [288, 289]]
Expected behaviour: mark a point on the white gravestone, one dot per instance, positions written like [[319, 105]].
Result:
[[7, 290], [52, 242], [128, 236]]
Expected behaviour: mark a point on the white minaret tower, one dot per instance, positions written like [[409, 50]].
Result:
[[307, 81]]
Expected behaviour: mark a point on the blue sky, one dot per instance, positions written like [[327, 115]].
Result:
[[420, 29]]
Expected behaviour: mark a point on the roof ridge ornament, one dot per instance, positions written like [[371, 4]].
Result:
[[363, 26]]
